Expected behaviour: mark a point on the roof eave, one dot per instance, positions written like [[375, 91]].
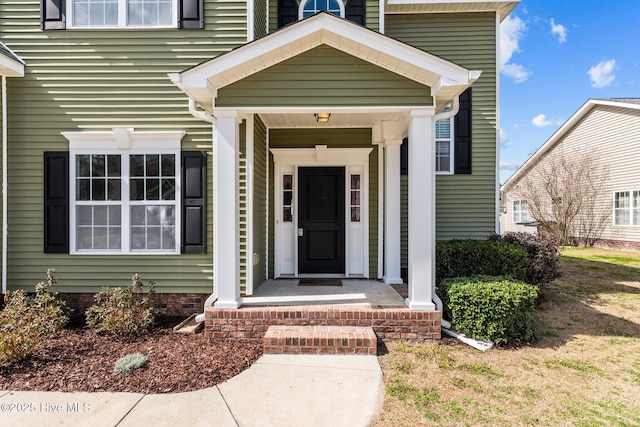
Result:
[[559, 134]]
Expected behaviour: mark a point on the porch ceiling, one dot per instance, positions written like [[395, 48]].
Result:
[[338, 119]]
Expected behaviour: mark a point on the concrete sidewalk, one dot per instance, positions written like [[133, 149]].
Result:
[[277, 390]]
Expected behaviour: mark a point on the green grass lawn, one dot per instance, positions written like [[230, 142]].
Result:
[[582, 370]]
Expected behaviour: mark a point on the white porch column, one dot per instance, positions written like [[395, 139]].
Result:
[[392, 135], [226, 211], [422, 210]]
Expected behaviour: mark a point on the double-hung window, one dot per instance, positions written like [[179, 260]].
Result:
[[626, 207], [123, 13], [520, 211], [444, 146], [125, 200]]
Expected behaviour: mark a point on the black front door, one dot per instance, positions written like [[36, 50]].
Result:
[[321, 220]]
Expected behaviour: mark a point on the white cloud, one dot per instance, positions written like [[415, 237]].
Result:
[[541, 121], [511, 33], [559, 30], [509, 165], [503, 137], [602, 75]]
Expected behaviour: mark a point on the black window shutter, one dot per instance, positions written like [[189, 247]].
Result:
[[404, 157], [287, 12], [194, 202], [56, 202], [52, 16], [355, 11], [462, 135], [191, 14]]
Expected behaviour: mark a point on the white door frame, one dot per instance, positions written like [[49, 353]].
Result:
[[355, 161]]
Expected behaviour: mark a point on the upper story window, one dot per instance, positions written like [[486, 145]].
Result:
[[309, 7], [123, 13]]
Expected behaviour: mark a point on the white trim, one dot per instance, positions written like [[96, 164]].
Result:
[[249, 202], [445, 78], [497, 166], [5, 229], [122, 19], [502, 8], [381, 14], [10, 67], [288, 160], [267, 211], [124, 141], [303, 3], [250, 20]]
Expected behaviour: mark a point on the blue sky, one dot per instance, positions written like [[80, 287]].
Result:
[[555, 55]]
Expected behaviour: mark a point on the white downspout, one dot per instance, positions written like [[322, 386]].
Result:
[[4, 185], [210, 119], [446, 325]]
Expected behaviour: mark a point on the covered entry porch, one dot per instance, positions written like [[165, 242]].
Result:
[[322, 68]]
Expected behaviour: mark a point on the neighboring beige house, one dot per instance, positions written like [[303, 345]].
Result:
[[611, 130]]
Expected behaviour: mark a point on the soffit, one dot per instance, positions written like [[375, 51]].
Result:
[[502, 8], [10, 64]]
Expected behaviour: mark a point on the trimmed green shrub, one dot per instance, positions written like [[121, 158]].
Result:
[[27, 322], [543, 254], [129, 363], [463, 258], [127, 311], [497, 309]]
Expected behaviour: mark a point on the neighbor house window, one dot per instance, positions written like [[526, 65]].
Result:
[[123, 13], [626, 207], [520, 211], [444, 146], [310, 7]]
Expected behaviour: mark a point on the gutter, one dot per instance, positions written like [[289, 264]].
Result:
[[201, 115]]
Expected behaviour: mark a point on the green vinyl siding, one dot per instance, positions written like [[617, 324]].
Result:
[[465, 206], [372, 15], [96, 80], [324, 76], [259, 200], [332, 138]]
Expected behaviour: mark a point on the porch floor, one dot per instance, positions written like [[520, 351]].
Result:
[[358, 292]]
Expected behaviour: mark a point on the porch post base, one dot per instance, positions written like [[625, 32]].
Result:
[[420, 306], [393, 281], [231, 304]]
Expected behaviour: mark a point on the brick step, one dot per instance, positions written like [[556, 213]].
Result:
[[284, 339]]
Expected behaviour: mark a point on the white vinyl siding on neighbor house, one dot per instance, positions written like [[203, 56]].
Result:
[[520, 211], [626, 208], [122, 13]]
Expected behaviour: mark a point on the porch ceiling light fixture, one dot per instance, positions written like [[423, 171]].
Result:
[[322, 117]]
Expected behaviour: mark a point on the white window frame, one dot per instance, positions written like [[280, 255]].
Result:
[[519, 212], [630, 209], [450, 140], [124, 142], [304, 2], [122, 18]]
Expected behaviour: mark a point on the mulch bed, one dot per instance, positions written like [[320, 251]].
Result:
[[81, 360]]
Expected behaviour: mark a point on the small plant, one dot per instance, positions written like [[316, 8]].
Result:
[[129, 363], [27, 322], [498, 309], [127, 311]]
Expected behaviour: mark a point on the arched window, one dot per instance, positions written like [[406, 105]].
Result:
[[309, 7]]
